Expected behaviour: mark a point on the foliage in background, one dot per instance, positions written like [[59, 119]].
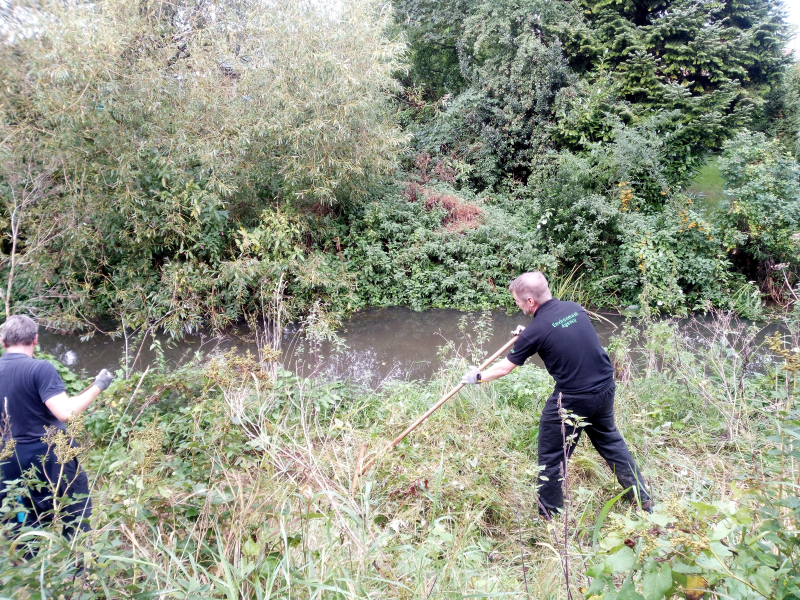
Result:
[[533, 75], [584, 113], [780, 118], [585, 220], [761, 220], [161, 168], [141, 148]]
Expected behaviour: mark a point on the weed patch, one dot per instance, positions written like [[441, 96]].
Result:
[[212, 483]]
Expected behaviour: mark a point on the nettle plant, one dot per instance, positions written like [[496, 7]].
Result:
[[691, 547]]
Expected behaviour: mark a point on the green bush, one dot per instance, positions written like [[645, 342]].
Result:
[[140, 146], [761, 216], [402, 254]]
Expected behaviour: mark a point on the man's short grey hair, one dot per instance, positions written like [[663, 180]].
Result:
[[19, 330], [531, 285]]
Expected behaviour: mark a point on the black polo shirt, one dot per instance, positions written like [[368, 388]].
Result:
[[25, 385], [564, 337]]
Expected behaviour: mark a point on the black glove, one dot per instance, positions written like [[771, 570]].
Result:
[[103, 380]]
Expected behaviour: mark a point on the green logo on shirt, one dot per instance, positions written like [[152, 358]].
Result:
[[566, 321]]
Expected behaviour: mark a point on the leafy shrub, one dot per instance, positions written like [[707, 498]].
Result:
[[692, 546], [761, 219], [404, 254], [134, 163], [674, 260]]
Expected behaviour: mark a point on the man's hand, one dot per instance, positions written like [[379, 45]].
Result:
[[103, 380], [518, 330], [471, 376]]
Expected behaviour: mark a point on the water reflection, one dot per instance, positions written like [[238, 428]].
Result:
[[396, 343]]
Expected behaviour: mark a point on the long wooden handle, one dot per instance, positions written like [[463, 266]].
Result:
[[434, 408]]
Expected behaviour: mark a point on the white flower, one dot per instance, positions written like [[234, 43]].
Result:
[[660, 303], [544, 221], [538, 227]]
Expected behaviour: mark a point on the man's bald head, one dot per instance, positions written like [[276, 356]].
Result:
[[531, 285]]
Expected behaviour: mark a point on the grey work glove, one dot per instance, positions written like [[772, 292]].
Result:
[[103, 380], [518, 330], [471, 376]]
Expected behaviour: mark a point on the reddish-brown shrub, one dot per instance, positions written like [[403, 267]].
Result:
[[459, 216], [444, 172]]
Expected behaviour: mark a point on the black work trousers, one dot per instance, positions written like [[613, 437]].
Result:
[[597, 410], [60, 482]]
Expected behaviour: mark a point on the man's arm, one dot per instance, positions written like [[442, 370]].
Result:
[[63, 407], [501, 369]]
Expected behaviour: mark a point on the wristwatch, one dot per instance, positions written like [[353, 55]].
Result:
[[478, 377]]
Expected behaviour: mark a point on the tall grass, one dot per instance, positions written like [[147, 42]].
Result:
[[227, 480]]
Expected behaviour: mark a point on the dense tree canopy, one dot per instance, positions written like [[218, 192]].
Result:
[[524, 69]]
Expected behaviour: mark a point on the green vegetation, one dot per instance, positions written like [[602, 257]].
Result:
[[158, 165], [161, 167], [708, 186], [228, 479], [186, 165]]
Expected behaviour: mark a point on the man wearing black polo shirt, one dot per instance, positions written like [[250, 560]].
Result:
[[563, 336], [33, 399]]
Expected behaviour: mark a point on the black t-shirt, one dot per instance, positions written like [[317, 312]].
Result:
[[565, 339], [25, 385]]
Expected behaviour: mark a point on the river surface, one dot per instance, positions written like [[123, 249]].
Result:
[[376, 344]]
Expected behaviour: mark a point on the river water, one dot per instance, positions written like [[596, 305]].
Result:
[[376, 344]]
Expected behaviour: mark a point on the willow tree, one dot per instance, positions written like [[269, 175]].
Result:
[[166, 129]]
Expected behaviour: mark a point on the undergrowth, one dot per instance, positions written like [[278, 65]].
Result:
[[228, 479]]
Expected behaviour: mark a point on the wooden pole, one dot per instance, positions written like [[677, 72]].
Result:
[[368, 465]]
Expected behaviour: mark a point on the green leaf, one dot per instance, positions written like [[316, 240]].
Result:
[[621, 560], [657, 583], [596, 570], [628, 592], [703, 509], [763, 579], [710, 562], [251, 547], [680, 567], [720, 549], [602, 516]]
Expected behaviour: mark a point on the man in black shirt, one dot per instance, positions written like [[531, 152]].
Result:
[[563, 336], [33, 400]]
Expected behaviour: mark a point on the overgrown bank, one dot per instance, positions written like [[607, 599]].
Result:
[[169, 168], [227, 480]]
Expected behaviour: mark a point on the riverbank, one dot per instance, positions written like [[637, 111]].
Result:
[[223, 480]]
